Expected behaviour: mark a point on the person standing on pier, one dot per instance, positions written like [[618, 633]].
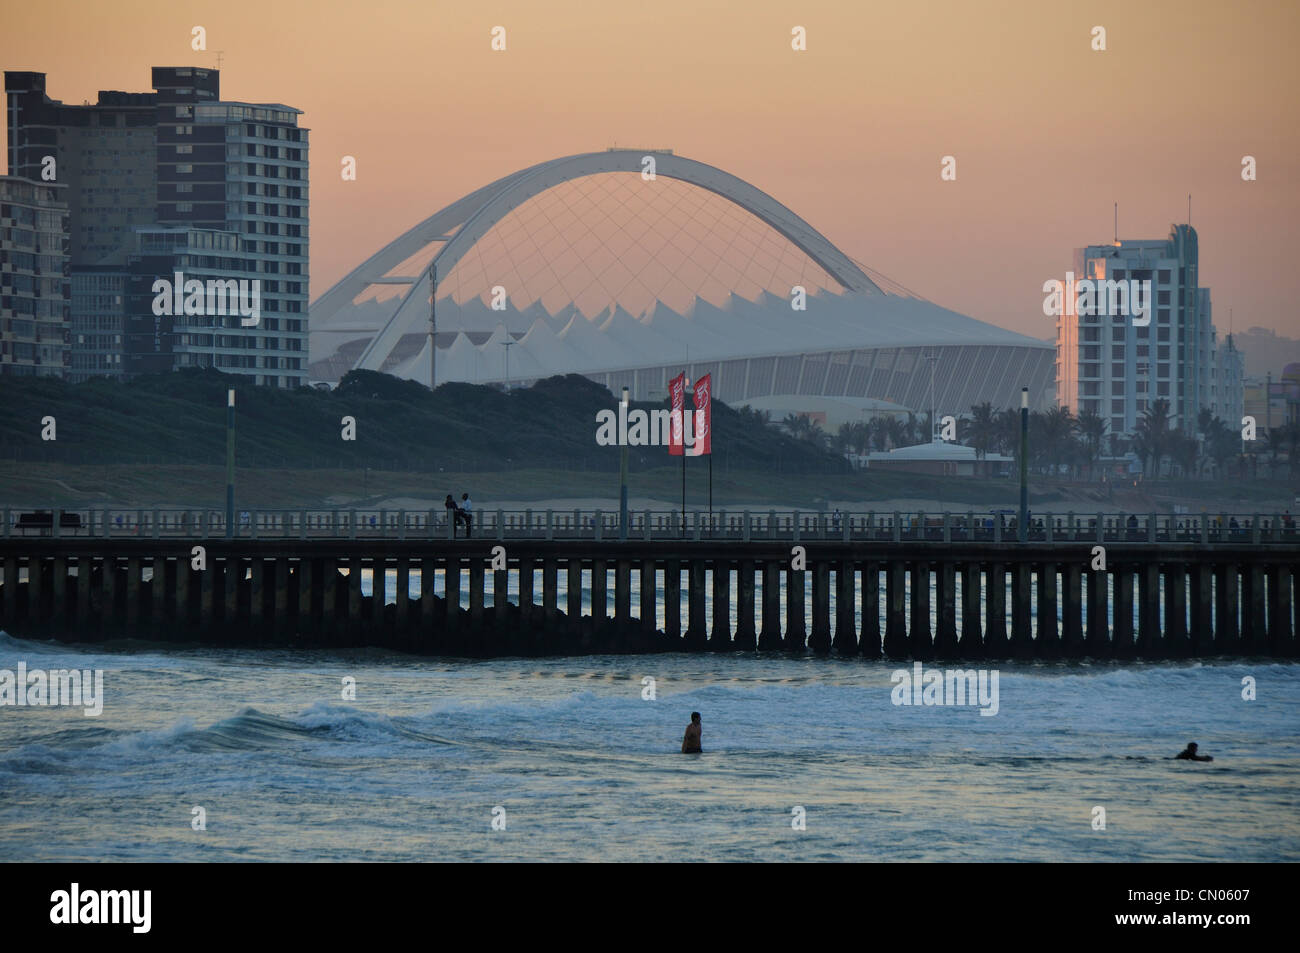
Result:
[[453, 514], [467, 513], [691, 740]]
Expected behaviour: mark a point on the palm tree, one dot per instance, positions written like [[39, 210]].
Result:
[[897, 433], [797, 426], [843, 439], [1055, 431], [1288, 437], [1091, 428], [981, 429], [1008, 431], [1204, 421], [1186, 451], [1222, 444], [1151, 438]]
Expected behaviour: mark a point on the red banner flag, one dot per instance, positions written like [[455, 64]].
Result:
[[703, 416], [677, 393]]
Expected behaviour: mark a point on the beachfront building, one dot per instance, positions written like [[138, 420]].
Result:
[[35, 289], [232, 177], [1125, 352]]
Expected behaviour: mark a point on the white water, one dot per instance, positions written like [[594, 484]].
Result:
[[587, 769]]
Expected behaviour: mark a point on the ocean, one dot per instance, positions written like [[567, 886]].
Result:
[[578, 759]]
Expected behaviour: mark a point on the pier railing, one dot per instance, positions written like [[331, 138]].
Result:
[[649, 525]]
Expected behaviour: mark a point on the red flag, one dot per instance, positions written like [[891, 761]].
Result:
[[703, 416], [677, 393]]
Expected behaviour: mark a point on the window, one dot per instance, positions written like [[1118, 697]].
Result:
[[1163, 276], [1116, 388], [184, 168], [1117, 352], [1162, 352], [1117, 407], [1162, 334], [1117, 370], [184, 150]]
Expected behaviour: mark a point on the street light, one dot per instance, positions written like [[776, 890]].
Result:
[[932, 358], [622, 475]]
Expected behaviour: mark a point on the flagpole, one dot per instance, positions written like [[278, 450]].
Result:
[[683, 487], [686, 382]]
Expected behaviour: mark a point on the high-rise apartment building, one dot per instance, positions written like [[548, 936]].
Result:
[[1160, 344], [34, 278], [167, 181]]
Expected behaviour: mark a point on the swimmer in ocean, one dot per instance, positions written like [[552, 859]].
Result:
[[691, 740], [1189, 754]]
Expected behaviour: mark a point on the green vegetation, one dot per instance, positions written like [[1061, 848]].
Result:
[[178, 419], [160, 440]]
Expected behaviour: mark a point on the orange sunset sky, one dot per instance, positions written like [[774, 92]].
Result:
[[1047, 133]]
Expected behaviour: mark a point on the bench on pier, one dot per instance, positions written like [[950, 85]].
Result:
[[43, 520]]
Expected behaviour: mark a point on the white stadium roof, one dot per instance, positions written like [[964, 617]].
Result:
[[743, 329]]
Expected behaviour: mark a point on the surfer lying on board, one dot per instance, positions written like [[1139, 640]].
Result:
[[1189, 754], [691, 740]]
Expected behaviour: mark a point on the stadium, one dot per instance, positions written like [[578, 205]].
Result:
[[630, 266]]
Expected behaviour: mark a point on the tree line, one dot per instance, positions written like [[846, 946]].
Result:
[[1060, 439]]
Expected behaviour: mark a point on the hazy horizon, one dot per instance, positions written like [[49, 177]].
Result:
[[1046, 132]]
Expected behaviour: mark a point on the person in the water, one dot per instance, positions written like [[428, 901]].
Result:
[[1189, 754], [691, 740]]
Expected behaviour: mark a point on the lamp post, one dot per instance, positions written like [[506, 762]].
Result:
[[506, 345], [230, 463], [622, 473], [932, 358], [1024, 465], [433, 325]]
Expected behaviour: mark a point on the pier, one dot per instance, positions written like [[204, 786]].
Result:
[[920, 598]]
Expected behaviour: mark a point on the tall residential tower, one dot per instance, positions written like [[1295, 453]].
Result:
[[174, 181], [1114, 363]]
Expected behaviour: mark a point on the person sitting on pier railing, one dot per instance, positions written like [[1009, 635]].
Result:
[[467, 513], [453, 514]]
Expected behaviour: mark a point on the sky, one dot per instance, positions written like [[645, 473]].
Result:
[[1047, 132]]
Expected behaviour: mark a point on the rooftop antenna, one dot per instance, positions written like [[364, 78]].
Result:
[[1189, 208], [219, 53], [1116, 223]]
